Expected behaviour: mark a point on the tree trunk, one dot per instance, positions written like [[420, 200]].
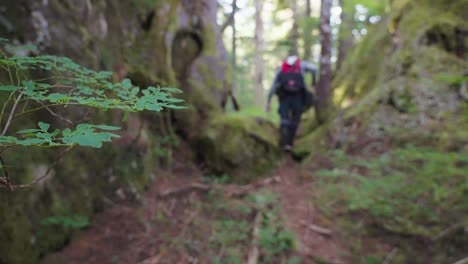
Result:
[[295, 29], [345, 36], [324, 85], [259, 67], [234, 50], [234, 44], [308, 32]]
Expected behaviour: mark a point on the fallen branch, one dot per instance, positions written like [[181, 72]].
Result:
[[184, 189], [390, 256], [462, 261], [152, 260], [318, 259], [320, 230], [227, 190], [254, 252], [452, 229]]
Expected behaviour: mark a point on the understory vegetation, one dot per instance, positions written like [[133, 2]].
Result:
[[416, 192]]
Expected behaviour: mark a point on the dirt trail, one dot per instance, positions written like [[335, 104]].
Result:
[[130, 234], [316, 242]]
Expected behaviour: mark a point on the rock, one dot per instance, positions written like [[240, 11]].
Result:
[[239, 146]]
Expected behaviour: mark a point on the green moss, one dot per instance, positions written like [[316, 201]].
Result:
[[242, 147], [76, 187], [398, 102], [363, 69], [313, 143]]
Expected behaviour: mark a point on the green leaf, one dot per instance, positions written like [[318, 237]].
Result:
[[55, 97], [29, 131], [7, 139], [29, 85], [43, 126], [66, 132], [126, 83], [9, 88], [175, 107], [55, 133], [171, 90], [89, 140], [31, 141]]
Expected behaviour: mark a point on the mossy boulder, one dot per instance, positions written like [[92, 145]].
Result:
[[135, 39], [399, 79], [41, 218], [399, 89], [239, 146]]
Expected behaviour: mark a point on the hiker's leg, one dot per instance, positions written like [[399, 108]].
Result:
[[284, 111], [296, 111]]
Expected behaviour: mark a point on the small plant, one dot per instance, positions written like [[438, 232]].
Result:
[[275, 241], [217, 179], [72, 222], [417, 191], [233, 237]]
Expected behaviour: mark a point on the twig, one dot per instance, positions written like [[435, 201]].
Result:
[[57, 115], [60, 156], [6, 178], [12, 112], [448, 231], [254, 253], [390, 256], [41, 107], [184, 189], [462, 261], [152, 260], [5, 106]]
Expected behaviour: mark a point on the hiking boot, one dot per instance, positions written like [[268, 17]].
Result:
[[287, 148]]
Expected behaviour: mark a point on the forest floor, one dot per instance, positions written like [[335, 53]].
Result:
[[185, 218]]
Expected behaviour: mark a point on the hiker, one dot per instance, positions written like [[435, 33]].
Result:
[[293, 95]]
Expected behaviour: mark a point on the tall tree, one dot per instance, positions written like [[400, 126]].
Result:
[[308, 31], [295, 28], [345, 35], [324, 85], [234, 37], [259, 67], [234, 51]]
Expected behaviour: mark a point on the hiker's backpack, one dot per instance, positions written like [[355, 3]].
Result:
[[290, 79]]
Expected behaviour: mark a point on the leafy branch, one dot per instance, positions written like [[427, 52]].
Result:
[[52, 81]]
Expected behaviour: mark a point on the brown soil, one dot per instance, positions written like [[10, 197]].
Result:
[[317, 242], [154, 231]]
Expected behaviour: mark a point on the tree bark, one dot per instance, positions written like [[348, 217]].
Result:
[[234, 51], [345, 35], [324, 85], [259, 67], [308, 32], [295, 29]]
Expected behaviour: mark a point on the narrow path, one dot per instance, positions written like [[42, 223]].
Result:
[[131, 234], [296, 197]]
